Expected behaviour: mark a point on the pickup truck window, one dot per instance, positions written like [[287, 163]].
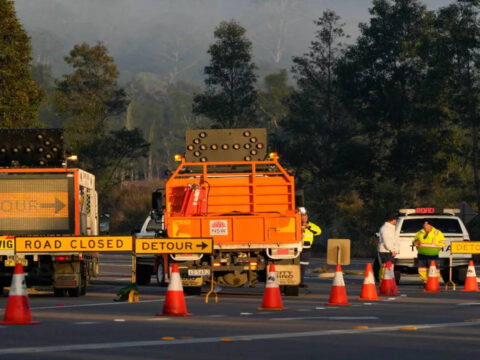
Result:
[[451, 226]]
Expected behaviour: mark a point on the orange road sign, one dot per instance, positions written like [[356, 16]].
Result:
[[33, 204], [465, 247], [174, 246], [47, 244], [7, 243]]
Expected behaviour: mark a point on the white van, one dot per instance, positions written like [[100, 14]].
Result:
[[409, 222]]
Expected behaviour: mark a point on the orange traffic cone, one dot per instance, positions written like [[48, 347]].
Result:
[[272, 300], [338, 295], [369, 291], [174, 300], [433, 285], [471, 283], [18, 306], [388, 286]]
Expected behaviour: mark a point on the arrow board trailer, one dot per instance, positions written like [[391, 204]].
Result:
[[48, 201]]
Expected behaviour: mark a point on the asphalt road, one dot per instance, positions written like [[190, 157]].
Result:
[[412, 325]]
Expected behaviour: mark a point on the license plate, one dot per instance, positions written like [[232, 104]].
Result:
[[198, 272], [11, 262]]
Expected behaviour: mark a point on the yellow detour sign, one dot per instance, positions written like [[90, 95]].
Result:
[[465, 247], [174, 246], [47, 244]]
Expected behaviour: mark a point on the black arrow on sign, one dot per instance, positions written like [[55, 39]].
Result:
[[203, 245], [58, 205]]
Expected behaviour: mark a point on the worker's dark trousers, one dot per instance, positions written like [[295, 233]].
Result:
[[305, 256]]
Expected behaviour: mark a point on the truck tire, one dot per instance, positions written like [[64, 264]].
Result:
[[144, 274], [1, 290], [192, 290], [398, 275], [59, 292], [459, 274], [291, 290]]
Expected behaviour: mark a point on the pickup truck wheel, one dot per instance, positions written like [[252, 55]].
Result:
[[144, 274], [291, 290], [459, 274]]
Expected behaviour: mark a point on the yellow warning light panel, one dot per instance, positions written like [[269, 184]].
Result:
[[174, 246], [47, 244], [36, 203], [226, 145]]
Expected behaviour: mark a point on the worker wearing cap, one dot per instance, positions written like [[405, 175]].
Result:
[[309, 231], [429, 242]]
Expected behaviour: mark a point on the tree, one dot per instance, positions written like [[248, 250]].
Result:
[[317, 126], [20, 97], [459, 40], [230, 96], [89, 97]]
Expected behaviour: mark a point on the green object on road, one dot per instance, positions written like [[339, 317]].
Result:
[[123, 292]]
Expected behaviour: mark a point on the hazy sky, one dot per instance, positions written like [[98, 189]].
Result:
[[144, 35]]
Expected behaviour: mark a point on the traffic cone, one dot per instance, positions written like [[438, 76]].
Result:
[[174, 300], [388, 286], [369, 290], [433, 285], [18, 306], [471, 283], [338, 295], [272, 300]]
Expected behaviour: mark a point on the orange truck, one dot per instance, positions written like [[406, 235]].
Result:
[[40, 196], [228, 188]]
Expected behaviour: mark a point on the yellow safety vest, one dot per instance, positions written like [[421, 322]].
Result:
[[431, 243], [310, 231]]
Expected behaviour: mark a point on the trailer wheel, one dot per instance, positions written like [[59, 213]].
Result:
[[160, 274], [291, 290]]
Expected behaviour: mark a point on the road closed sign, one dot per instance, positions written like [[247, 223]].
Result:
[[47, 244], [465, 247], [174, 246]]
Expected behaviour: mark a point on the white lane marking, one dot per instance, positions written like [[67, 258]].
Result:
[[85, 323], [183, 342], [319, 308], [159, 319], [327, 318], [95, 304], [119, 320], [468, 304], [300, 310], [246, 313]]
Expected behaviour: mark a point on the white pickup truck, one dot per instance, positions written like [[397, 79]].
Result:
[[409, 222]]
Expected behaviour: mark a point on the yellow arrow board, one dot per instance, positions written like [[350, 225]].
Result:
[[47, 244], [174, 246], [465, 247]]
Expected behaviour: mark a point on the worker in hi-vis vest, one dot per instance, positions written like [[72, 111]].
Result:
[[429, 242], [309, 231]]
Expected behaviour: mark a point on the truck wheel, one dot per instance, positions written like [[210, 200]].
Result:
[[144, 274], [376, 269], [59, 292], [83, 282], [1, 290], [445, 273], [160, 274], [459, 274], [291, 290], [192, 290]]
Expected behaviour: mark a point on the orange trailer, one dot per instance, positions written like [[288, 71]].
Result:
[[247, 206]]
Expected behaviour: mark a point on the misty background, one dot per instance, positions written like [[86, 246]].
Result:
[[170, 38]]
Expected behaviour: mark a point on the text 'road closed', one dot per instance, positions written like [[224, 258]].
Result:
[[174, 246], [74, 244]]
